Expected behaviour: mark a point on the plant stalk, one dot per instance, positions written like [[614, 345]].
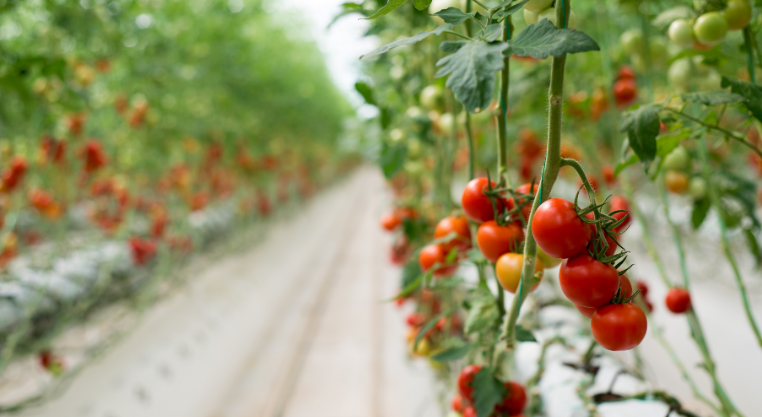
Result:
[[502, 139], [748, 44]]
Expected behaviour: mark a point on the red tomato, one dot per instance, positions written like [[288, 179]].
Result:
[[626, 73], [143, 250], [95, 156], [12, 175], [586, 311], [390, 221], [514, 401], [558, 229], [465, 381], [457, 403], [526, 209], [433, 254], [626, 286], [495, 240], [619, 326], [625, 92], [608, 174], [619, 202], [678, 300], [415, 319], [459, 225], [643, 287], [587, 281], [469, 412], [478, 206]]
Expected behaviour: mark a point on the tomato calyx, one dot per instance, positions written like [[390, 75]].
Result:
[[605, 230], [513, 209], [619, 297]]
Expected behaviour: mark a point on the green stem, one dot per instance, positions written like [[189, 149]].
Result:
[[717, 128], [471, 147], [715, 199], [675, 235], [502, 139], [549, 175], [457, 34], [469, 7], [748, 44]]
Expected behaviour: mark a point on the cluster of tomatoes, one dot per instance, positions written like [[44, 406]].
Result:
[[625, 87], [513, 403], [428, 306], [710, 28]]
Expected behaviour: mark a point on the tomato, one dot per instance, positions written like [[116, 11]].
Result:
[[626, 73], [587, 281], [433, 254], [586, 311], [678, 300], [547, 260], [681, 33], [697, 188], [643, 287], [679, 74], [12, 175], [389, 221], [95, 156], [625, 92], [738, 14], [415, 319], [678, 160], [469, 412], [514, 401], [508, 271], [495, 240], [457, 403], [530, 17], [432, 96], [608, 174], [558, 229], [537, 5], [466, 380], [526, 208], [423, 348], [676, 181], [619, 202], [710, 28], [619, 327], [632, 42], [143, 250], [457, 225], [476, 205]]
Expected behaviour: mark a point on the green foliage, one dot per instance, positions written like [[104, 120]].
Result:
[[488, 392], [471, 67], [712, 98], [388, 8], [454, 16], [392, 158], [483, 312], [752, 93], [543, 39], [524, 335], [642, 127], [453, 354], [409, 41]]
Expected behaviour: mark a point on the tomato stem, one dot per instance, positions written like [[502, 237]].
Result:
[[747, 42], [502, 139], [717, 128]]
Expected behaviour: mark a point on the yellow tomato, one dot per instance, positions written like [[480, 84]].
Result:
[[676, 181], [508, 270]]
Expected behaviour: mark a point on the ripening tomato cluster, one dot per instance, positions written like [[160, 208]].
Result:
[[400, 250], [587, 276], [512, 405], [428, 306]]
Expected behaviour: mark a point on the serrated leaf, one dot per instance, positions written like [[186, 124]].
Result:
[[524, 335], [492, 32], [543, 39], [392, 159], [642, 127], [668, 16], [712, 98], [488, 392], [472, 70], [483, 312], [388, 8], [510, 10], [453, 354], [631, 160], [699, 212], [454, 16], [408, 41], [365, 92], [421, 4], [430, 325], [752, 94]]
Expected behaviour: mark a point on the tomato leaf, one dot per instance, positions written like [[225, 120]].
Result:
[[392, 159], [753, 245], [700, 211], [510, 10], [388, 8], [492, 32], [410, 272], [666, 144], [454, 15], [430, 324], [631, 160], [752, 94], [471, 68], [408, 41], [543, 39], [642, 127], [453, 354], [668, 16], [712, 98], [365, 92], [483, 312], [488, 392], [524, 335], [421, 4]]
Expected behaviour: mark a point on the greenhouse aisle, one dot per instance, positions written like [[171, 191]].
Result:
[[286, 327]]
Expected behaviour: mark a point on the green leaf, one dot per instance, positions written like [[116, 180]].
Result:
[[642, 127], [712, 98], [421, 4], [488, 392], [430, 324], [453, 354], [667, 144], [409, 41], [472, 69], [700, 210], [752, 93], [365, 92], [454, 16], [388, 8], [753, 245], [543, 39], [410, 287], [410, 272], [510, 10], [483, 312], [392, 159], [524, 335], [492, 32], [668, 16], [631, 160], [346, 9]]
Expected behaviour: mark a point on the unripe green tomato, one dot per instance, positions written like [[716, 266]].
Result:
[[659, 52], [530, 17], [710, 82], [698, 66], [396, 135], [681, 33], [632, 42], [738, 14], [445, 124], [414, 112], [710, 28], [431, 97], [413, 168], [537, 5], [547, 260], [679, 74], [697, 188], [550, 14], [413, 148], [677, 160], [705, 5]]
